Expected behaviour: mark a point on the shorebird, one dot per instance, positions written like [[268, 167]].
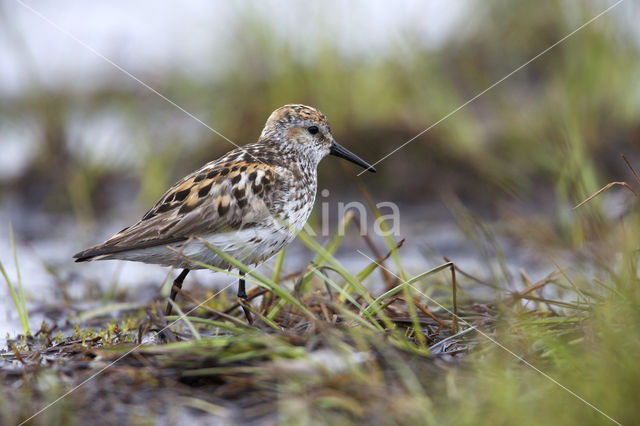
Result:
[[250, 203]]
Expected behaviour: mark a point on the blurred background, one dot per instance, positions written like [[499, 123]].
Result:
[[86, 149]]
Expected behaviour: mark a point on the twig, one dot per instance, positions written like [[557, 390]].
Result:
[[604, 188], [454, 289], [631, 168], [471, 277], [426, 312]]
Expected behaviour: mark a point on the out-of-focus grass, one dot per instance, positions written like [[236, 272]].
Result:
[[542, 128], [591, 357]]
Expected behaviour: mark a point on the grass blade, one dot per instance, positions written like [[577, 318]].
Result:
[[21, 291], [260, 279], [14, 296], [183, 317]]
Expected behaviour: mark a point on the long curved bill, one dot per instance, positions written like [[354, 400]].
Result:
[[342, 152]]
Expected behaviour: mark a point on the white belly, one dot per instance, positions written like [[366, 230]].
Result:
[[249, 246]]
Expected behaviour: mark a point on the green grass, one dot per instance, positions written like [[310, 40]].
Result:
[[501, 368], [537, 130], [19, 300]]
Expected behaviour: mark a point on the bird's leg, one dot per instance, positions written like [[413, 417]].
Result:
[[177, 285], [242, 295]]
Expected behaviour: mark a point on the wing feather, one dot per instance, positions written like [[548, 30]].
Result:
[[221, 196]]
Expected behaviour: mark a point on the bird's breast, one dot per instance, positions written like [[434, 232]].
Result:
[[299, 200]]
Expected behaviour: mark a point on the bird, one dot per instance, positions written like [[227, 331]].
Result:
[[250, 203]]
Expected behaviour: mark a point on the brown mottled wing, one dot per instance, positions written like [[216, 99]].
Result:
[[221, 196]]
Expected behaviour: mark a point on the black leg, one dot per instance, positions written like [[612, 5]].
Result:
[[242, 295], [177, 285]]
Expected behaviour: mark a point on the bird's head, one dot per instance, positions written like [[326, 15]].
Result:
[[306, 131]]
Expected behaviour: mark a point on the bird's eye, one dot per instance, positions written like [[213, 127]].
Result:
[[313, 130]]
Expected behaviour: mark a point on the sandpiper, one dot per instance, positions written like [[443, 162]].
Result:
[[250, 203]]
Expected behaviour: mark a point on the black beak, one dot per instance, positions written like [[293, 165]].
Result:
[[342, 152]]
